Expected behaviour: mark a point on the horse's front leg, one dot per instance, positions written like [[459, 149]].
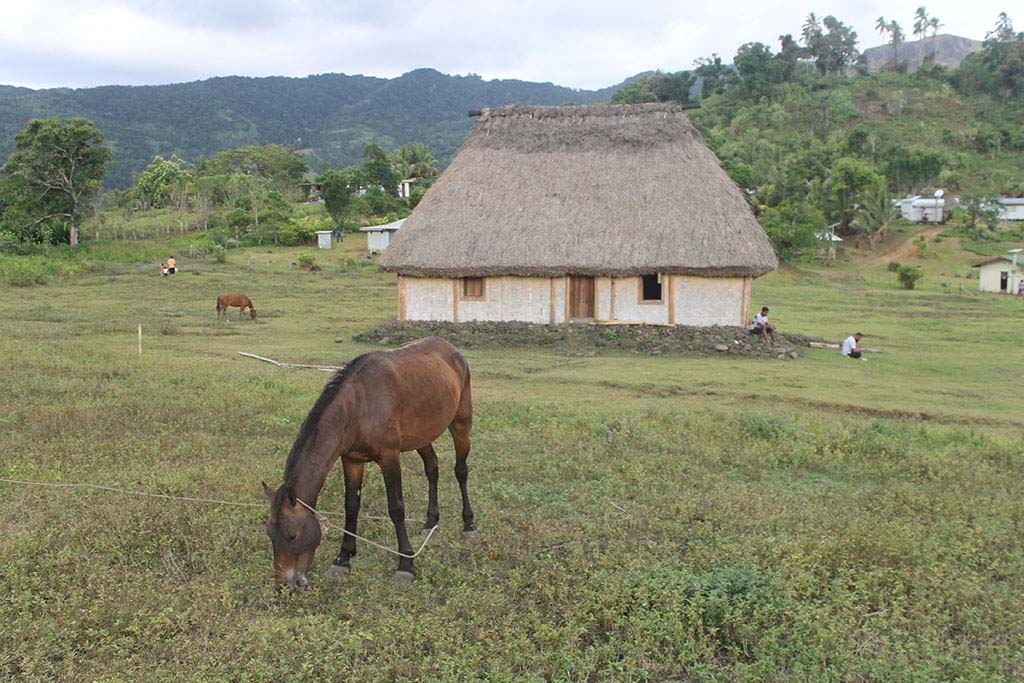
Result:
[[353, 494], [430, 469], [391, 468]]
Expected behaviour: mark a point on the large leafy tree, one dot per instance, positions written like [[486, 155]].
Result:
[[152, 186], [832, 44], [633, 93], [51, 178], [849, 180], [757, 67], [718, 77], [281, 166], [1003, 58], [661, 87], [379, 171], [338, 190]]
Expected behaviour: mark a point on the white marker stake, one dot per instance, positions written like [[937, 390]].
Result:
[[140, 339]]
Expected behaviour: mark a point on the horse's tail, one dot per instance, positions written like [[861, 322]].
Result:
[[218, 304]]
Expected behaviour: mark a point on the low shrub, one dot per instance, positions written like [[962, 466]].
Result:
[[908, 275]]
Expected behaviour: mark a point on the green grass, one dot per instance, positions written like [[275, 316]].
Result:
[[643, 518]]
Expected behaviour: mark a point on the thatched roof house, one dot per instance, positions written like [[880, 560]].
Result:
[[613, 212]]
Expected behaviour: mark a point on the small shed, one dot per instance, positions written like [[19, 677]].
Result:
[[1010, 208], [999, 274], [378, 237], [323, 239]]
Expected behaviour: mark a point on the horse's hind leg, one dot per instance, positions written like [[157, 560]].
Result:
[[353, 491], [460, 428], [430, 469]]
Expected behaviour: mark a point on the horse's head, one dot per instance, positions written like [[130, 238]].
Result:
[[252, 313], [294, 533]]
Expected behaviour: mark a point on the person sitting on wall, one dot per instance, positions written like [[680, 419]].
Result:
[[850, 347], [759, 325]]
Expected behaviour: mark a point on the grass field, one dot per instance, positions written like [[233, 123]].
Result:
[[643, 518]]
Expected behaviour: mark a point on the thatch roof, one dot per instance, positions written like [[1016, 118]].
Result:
[[586, 190]]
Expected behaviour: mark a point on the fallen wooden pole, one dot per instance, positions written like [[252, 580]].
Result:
[[292, 366], [826, 345]]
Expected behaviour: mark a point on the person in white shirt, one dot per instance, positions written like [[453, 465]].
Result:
[[759, 325], [850, 348]]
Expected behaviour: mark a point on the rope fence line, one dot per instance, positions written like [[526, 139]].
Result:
[[324, 523], [320, 515], [292, 366], [166, 496]]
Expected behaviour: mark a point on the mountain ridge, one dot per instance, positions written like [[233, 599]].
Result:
[[338, 116]]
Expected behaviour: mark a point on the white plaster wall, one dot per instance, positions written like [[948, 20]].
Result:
[[989, 277], [627, 301], [428, 298], [560, 295], [698, 301], [526, 299], [377, 241], [1011, 212], [603, 294], [705, 301]]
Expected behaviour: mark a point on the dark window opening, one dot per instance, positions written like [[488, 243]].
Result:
[[473, 287], [652, 287]]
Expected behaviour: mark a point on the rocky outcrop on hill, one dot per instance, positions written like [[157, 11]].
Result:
[[947, 50]]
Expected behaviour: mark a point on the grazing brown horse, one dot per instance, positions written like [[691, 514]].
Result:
[[240, 301], [381, 404]]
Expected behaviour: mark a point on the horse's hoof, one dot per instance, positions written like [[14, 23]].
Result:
[[403, 577], [337, 571], [471, 535], [425, 531]]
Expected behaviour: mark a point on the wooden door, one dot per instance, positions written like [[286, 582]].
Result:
[[581, 297]]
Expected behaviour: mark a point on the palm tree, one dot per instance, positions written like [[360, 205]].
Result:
[[920, 23], [881, 25], [876, 215], [811, 29], [415, 160], [920, 29], [420, 160], [896, 31], [934, 24]]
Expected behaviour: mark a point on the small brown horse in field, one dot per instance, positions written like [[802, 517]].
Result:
[[378, 406], [239, 301]]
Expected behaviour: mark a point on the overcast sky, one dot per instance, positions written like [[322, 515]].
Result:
[[81, 43]]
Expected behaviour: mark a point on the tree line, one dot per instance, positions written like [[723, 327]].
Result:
[[52, 182], [789, 126]]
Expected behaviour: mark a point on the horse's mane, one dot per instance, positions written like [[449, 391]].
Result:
[[307, 433]]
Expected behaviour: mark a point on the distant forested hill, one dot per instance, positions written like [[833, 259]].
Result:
[[331, 115]]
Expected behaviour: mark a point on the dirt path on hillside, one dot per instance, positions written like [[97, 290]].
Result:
[[903, 250]]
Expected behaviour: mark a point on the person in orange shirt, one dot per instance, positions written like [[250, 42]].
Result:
[[171, 268]]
